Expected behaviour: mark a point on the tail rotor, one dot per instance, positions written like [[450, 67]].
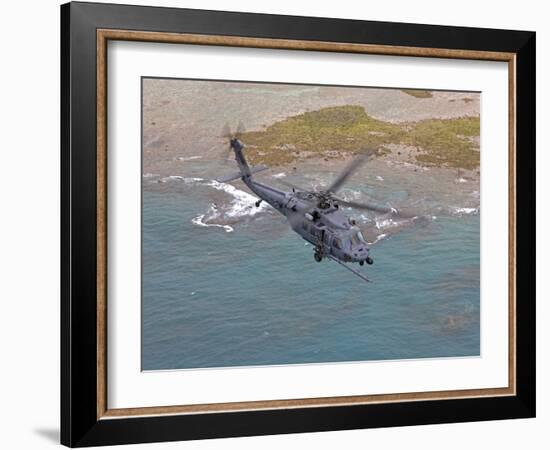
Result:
[[229, 136], [233, 138], [240, 130]]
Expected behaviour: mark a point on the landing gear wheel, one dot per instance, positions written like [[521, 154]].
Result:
[[318, 257], [369, 260], [361, 263]]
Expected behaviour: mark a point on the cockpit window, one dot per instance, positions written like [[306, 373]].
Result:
[[356, 236]]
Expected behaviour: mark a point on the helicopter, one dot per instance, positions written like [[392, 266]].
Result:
[[316, 215]]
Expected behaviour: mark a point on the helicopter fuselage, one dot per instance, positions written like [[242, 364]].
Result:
[[321, 223]]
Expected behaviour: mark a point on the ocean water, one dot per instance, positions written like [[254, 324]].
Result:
[[227, 284]]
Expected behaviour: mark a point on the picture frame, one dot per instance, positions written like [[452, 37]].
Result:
[[86, 29]]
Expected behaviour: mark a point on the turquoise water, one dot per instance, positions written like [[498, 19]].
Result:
[[246, 290]]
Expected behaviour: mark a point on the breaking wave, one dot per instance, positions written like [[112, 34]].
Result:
[[242, 204], [212, 213]]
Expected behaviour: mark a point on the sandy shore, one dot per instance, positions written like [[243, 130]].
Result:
[[183, 120]]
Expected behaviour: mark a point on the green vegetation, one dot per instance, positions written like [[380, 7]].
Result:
[[330, 132], [326, 132], [446, 142], [418, 93]]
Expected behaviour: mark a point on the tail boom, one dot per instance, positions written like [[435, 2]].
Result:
[[237, 147]]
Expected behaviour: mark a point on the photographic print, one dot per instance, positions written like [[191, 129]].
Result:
[[295, 214], [302, 224]]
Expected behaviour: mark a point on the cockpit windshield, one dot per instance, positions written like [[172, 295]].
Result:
[[356, 236]]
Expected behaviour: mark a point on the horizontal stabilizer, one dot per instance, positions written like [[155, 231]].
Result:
[[237, 175]]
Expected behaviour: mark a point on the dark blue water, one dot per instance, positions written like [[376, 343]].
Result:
[[255, 296]]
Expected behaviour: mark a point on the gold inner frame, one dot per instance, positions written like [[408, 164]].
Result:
[[103, 36]]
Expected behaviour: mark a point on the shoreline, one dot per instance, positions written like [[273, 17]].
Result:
[[398, 157], [182, 119]]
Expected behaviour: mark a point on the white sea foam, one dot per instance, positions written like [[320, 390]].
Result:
[[378, 238], [150, 175], [379, 178], [384, 223], [465, 210], [279, 175], [170, 178], [461, 180], [243, 203], [211, 214], [188, 158], [199, 221], [186, 180], [192, 180]]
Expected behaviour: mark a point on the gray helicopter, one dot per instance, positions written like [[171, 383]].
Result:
[[316, 216]]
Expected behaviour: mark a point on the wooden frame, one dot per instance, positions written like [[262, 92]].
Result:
[[86, 418]]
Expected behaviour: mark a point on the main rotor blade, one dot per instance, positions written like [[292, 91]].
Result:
[[292, 186], [366, 206], [240, 130], [404, 214], [228, 134], [351, 168], [223, 152], [226, 131]]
